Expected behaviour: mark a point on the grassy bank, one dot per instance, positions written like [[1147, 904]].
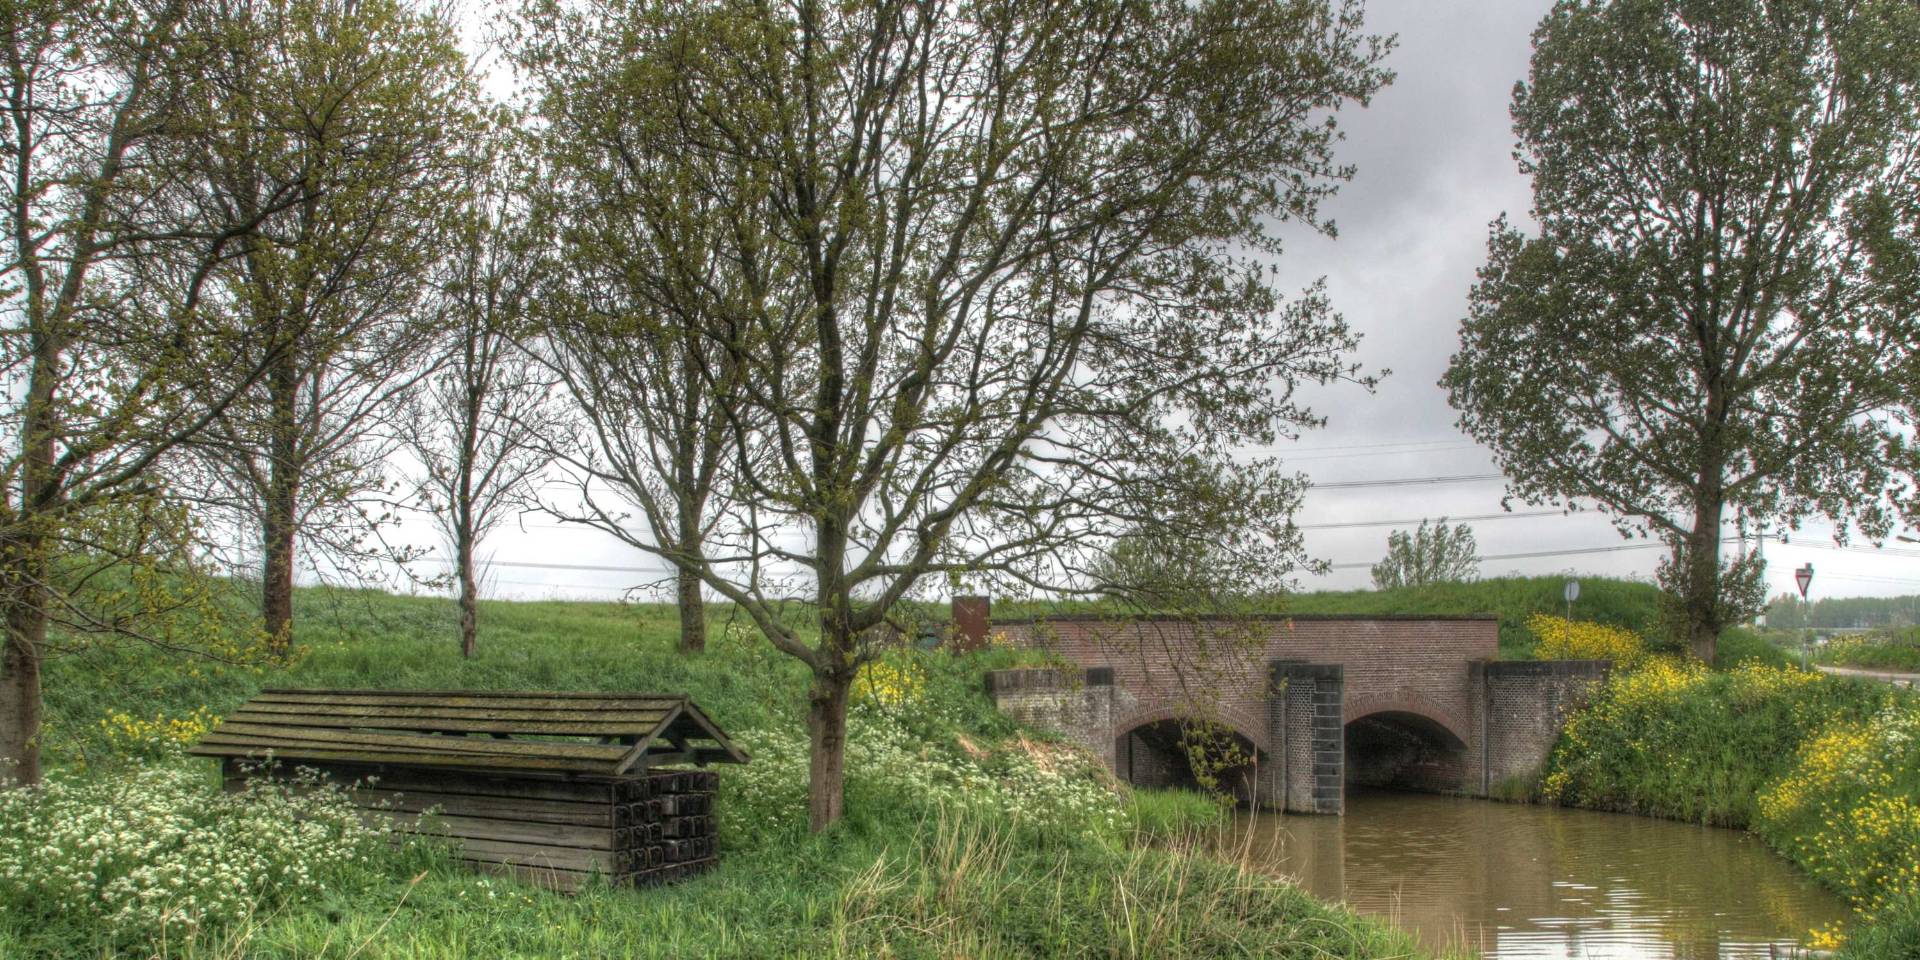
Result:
[[1886, 649], [966, 836], [1825, 769]]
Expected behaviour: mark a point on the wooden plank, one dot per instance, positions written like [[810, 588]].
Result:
[[527, 786], [470, 805], [636, 755], [647, 717], [474, 698], [424, 742], [734, 751], [485, 692], [451, 725], [531, 810], [374, 746], [505, 831], [537, 855], [214, 745]]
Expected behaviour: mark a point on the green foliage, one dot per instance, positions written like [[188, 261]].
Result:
[[1162, 815], [1677, 740], [1436, 554], [159, 855], [1740, 645], [1881, 649], [1718, 310], [965, 838]]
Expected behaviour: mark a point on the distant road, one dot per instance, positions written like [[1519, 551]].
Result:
[[1895, 677]]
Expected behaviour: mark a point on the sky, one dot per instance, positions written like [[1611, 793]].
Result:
[[1435, 167]]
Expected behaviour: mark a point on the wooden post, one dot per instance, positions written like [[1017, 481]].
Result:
[[972, 615]]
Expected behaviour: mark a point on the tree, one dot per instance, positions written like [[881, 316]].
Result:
[[993, 288], [475, 423], [1436, 554], [1720, 307], [632, 350], [110, 320], [382, 118]]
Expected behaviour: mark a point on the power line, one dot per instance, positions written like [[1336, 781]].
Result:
[[1446, 448], [1409, 481], [1523, 515], [530, 565], [1365, 446], [1532, 554]]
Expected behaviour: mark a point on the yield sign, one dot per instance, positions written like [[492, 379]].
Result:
[[1803, 577]]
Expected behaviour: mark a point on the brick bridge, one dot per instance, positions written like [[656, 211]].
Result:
[[1314, 702]]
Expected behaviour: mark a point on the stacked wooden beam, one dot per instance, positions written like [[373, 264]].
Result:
[[496, 776], [664, 826], [639, 830]]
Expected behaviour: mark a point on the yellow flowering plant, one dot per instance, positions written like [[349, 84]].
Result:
[[1562, 639]]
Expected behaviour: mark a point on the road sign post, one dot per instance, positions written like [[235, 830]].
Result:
[[1572, 593], [1803, 577]]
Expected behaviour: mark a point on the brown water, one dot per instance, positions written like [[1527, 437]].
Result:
[[1512, 881]]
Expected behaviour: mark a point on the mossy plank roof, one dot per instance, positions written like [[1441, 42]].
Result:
[[506, 731]]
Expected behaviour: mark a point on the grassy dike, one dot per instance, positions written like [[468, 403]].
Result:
[[966, 835], [1825, 769]]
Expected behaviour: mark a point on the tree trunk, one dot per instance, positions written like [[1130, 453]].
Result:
[[283, 486], [826, 762], [26, 626], [1703, 602], [276, 597], [469, 599], [693, 613]]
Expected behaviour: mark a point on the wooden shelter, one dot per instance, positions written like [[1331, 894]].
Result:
[[554, 786]]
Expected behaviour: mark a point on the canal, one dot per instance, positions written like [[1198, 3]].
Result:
[[1519, 882]]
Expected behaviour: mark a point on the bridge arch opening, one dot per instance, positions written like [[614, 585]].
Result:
[[1175, 753], [1400, 750]]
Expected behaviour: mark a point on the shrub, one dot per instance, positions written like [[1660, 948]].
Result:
[[1848, 812], [1042, 789], [1738, 646], [1671, 738], [158, 852], [1562, 639]]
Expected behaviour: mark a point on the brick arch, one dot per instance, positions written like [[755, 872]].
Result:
[[1239, 721], [1407, 700]]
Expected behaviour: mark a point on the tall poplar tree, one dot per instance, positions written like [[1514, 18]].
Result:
[[1720, 307]]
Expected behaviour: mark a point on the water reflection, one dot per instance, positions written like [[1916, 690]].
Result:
[[1530, 883]]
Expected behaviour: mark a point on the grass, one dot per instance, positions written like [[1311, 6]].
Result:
[[905, 875], [1621, 603], [1885, 649]]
